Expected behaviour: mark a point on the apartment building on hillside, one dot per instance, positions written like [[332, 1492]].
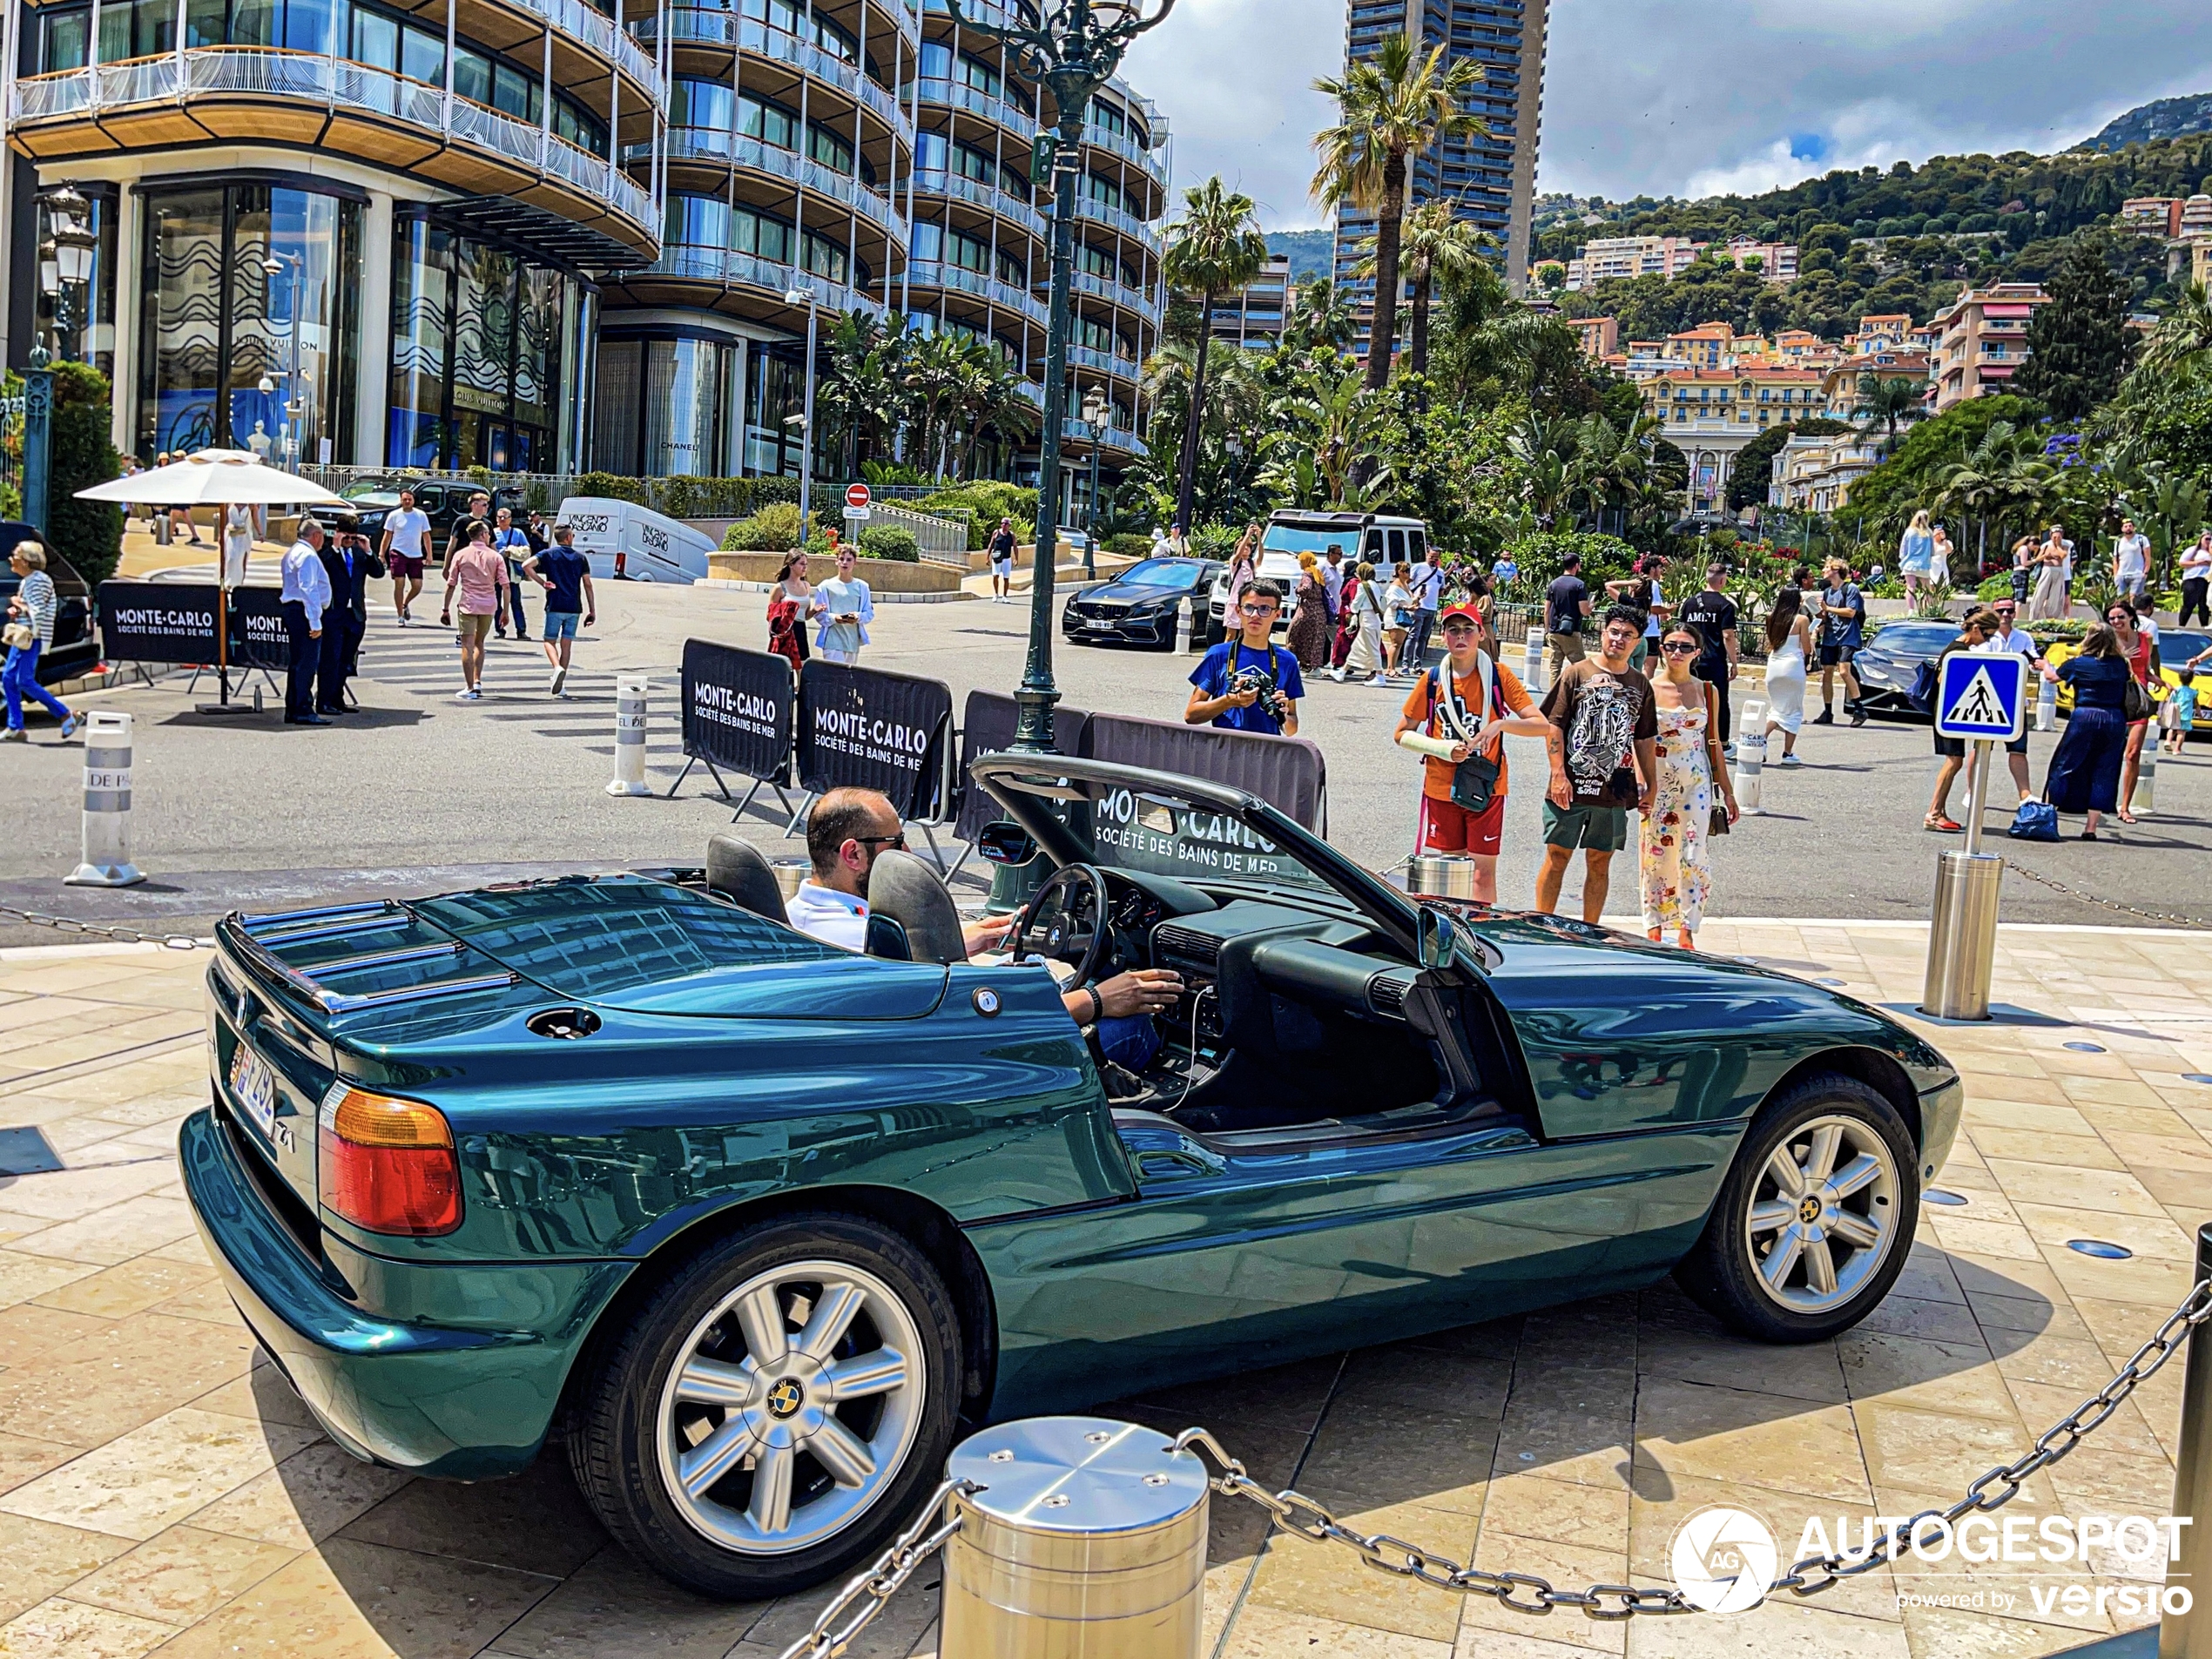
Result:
[[1711, 414], [1491, 178], [1982, 341]]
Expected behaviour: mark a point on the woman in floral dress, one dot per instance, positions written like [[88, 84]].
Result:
[[1676, 876]]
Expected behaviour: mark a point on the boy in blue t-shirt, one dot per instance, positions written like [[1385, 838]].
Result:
[[2177, 714], [1232, 680]]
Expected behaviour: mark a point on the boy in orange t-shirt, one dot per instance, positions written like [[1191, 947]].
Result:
[[1446, 731]]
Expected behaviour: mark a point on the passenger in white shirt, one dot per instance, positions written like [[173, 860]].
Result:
[[2131, 565], [846, 831]]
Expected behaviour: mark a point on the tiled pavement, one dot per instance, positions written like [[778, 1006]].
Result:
[[161, 1492]]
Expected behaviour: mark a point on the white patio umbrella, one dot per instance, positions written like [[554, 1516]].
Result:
[[216, 478]]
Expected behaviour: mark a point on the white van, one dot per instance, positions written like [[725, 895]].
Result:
[[1375, 538], [628, 543]]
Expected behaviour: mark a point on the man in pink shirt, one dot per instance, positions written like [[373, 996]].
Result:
[[480, 574]]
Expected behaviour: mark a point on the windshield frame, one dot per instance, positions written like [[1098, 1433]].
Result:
[[1197, 567], [1347, 537], [1391, 911]]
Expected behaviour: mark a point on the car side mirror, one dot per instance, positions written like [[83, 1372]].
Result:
[[1437, 939], [1004, 843]]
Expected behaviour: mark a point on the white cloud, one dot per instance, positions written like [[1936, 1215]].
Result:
[[1634, 100]]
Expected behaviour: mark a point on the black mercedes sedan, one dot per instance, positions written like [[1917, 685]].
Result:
[[1138, 607], [1890, 663]]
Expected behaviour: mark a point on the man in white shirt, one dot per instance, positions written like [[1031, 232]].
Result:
[[2131, 565], [2018, 641], [306, 596], [1160, 544], [846, 832], [407, 543]]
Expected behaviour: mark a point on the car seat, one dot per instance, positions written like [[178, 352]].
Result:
[[907, 890], [738, 871]]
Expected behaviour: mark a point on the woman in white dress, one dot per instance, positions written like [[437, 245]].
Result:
[[1364, 661], [1915, 553], [1788, 639], [1939, 560]]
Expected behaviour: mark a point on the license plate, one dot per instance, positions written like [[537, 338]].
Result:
[[1101, 627], [254, 1086]]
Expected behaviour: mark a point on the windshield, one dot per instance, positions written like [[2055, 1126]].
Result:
[[1290, 538], [1179, 574], [2175, 647], [1916, 636], [1160, 831]]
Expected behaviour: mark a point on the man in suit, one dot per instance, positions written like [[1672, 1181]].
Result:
[[350, 564]]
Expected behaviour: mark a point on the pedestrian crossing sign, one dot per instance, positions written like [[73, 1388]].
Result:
[[1982, 695]]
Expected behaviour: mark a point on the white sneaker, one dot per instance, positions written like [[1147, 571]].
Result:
[[560, 678], [1789, 760], [476, 694], [463, 695], [1377, 680], [402, 615]]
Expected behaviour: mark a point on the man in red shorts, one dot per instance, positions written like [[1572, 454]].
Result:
[[407, 539], [1462, 707]]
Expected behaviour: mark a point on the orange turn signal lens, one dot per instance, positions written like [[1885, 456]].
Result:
[[387, 1165]]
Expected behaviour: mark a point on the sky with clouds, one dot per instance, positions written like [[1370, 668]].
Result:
[[1727, 95]]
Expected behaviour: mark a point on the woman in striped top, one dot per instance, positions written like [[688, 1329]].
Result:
[[31, 607]]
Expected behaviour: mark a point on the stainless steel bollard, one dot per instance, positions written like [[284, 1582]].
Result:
[[2147, 774], [1182, 626], [107, 804], [2189, 1632], [1087, 1540], [2047, 706], [1531, 660], [630, 692], [1962, 937]]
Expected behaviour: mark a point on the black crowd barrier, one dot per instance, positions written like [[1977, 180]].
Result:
[[740, 710], [174, 622], [987, 725], [862, 728], [1288, 773]]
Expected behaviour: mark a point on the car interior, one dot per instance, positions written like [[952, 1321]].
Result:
[[1297, 1022]]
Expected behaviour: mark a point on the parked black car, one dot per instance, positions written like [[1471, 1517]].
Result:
[[1890, 662], [443, 501], [1139, 606], [74, 650]]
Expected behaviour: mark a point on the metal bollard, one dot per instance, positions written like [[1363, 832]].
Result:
[[1182, 626], [2047, 706], [1085, 1540], [2147, 773], [1532, 662], [1962, 936], [2188, 1631], [630, 690], [1750, 756], [107, 804]]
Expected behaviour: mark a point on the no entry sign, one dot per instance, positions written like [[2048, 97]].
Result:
[[856, 495]]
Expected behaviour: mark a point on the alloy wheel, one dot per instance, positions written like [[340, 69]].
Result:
[[1824, 1214], [793, 1408]]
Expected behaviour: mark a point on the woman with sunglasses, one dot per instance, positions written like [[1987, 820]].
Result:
[[1675, 873], [2139, 650]]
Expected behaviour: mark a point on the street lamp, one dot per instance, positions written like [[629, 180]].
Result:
[[808, 296], [1098, 418], [1073, 48], [66, 258], [295, 406]]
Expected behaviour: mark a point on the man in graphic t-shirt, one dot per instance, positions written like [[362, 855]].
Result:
[[1604, 754], [1711, 615]]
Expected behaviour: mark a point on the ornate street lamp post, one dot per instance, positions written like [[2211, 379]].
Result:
[[66, 258], [1072, 48], [1098, 419]]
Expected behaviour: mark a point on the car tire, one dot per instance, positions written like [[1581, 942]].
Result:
[[637, 1423], [1833, 1131]]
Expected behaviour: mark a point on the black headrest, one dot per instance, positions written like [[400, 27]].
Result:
[[908, 891], [741, 872]]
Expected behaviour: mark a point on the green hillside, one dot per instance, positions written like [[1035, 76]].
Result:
[[1312, 252], [1904, 239], [2169, 118]]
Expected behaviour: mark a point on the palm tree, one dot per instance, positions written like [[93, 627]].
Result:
[[1390, 108], [1232, 396], [1215, 248], [1884, 403], [2182, 335], [1321, 316], [1436, 242], [2002, 476]]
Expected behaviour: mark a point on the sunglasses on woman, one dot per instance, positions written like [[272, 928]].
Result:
[[1679, 648]]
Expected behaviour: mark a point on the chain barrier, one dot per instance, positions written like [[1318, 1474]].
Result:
[[94, 929], [2064, 890], [881, 1581], [1526, 1593]]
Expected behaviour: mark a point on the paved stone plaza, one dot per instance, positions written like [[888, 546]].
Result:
[[160, 1491]]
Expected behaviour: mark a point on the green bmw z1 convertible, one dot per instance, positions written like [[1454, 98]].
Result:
[[755, 1227]]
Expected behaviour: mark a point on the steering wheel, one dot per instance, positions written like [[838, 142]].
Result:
[[1064, 937]]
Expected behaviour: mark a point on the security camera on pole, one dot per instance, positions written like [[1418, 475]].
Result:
[[1983, 699]]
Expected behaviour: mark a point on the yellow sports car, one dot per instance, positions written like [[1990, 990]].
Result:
[[2175, 647]]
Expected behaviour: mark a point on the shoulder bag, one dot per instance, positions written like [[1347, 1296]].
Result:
[[2134, 701], [1475, 781], [1717, 824]]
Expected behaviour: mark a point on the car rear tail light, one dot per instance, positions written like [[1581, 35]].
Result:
[[386, 1164], [622, 562]]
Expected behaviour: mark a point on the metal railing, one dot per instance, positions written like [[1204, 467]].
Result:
[[1113, 437], [960, 95], [1115, 293], [335, 82], [692, 263], [713, 26], [935, 274], [1129, 149], [714, 144], [937, 182], [1118, 218], [596, 30], [1105, 362]]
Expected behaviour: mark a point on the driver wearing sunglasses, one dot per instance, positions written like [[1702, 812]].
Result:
[[849, 829]]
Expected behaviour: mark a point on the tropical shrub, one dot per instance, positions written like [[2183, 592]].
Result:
[[774, 529], [89, 534], [1128, 546], [1542, 555], [890, 542]]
